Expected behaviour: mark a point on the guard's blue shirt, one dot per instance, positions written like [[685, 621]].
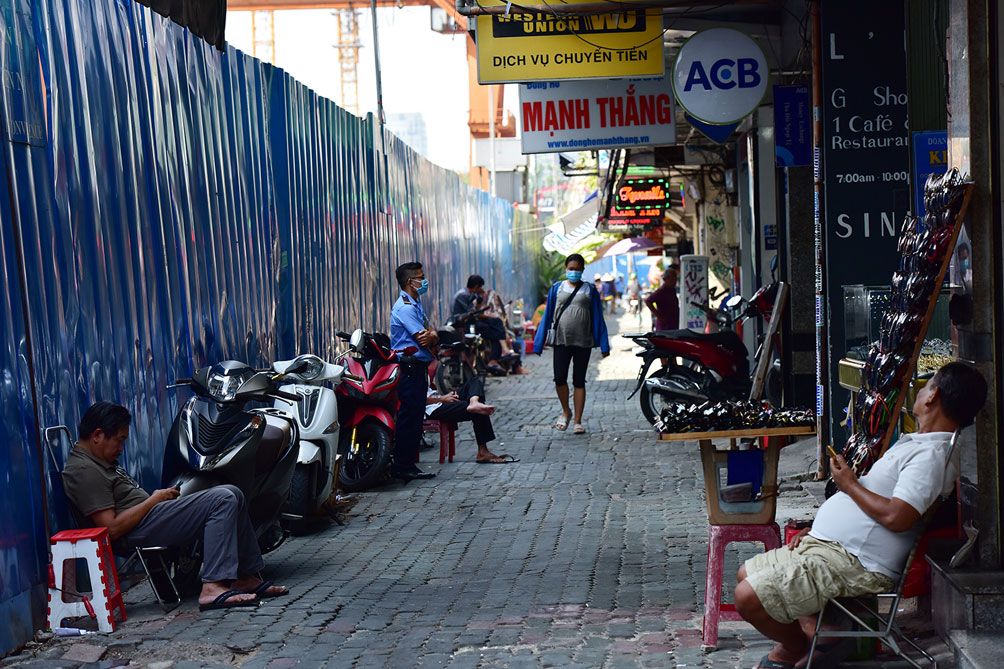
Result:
[[407, 318]]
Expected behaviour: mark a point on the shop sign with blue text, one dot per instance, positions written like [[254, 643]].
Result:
[[720, 76], [596, 114]]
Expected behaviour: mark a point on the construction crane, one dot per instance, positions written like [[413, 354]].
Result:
[[479, 120]]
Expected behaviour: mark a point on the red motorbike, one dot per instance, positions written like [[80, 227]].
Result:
[[369, 407], [702, 366]]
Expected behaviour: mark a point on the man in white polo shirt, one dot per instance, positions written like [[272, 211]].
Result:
[[862, 535]]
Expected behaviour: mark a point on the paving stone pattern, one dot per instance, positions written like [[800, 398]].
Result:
[[591, 551]]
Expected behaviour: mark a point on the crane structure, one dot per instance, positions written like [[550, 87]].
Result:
[[263, 35], [480, 121]]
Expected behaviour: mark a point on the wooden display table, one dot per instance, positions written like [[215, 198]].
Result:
[[712, 459], [731, 522]]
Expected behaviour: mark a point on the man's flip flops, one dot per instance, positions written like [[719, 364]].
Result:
[[504, 459], [262, 591], [767, 663], [224, 602]]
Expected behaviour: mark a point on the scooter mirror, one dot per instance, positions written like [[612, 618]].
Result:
[[773, 266], [356, 341], [734, 301]]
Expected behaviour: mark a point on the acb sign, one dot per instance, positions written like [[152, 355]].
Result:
[[720, 76]]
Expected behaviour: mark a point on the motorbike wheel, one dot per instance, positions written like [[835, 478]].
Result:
[[368, 466], [652, 403], [301, 490], [451, 375]]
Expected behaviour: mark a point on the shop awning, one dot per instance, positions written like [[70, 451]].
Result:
[[205, 18], [589, 209]]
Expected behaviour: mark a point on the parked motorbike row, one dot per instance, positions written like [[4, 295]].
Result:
[[327, 425], [326, 421]]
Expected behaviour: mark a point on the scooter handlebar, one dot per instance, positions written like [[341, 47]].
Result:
[[352, 377], [179, 383]]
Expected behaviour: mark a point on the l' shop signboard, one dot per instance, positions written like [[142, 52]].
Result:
[[521, 47], [596, 114]]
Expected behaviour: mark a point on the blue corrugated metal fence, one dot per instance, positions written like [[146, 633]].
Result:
[[174, 206]]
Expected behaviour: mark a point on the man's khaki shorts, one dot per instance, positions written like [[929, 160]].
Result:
[[792, 584]]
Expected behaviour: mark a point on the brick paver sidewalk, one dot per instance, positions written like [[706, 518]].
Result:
[[589, 552]]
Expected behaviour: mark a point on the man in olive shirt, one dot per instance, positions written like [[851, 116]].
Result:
[[105, 494]]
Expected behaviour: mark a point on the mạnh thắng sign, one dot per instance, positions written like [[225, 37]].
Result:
[[596, 114], [521, 47]]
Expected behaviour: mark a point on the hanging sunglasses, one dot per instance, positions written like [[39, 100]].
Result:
[[883, 371], [874, 411]]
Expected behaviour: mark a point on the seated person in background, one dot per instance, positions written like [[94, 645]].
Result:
[[467, 405], [497, 309], [104, 493], [491, 328], [664, 304], [861, 536]]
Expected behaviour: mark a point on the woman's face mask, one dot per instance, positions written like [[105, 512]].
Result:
[[573, 275]]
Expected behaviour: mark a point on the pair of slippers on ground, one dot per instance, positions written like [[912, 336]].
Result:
[[263, 591], [827, 656], [562, 424]]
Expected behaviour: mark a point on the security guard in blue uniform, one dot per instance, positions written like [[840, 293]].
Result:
[[412, 338]]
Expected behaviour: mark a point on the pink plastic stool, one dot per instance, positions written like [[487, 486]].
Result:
[[721, 536], [447, 445]]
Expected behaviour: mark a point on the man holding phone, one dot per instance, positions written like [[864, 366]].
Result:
[[107, 496], [861, 537]]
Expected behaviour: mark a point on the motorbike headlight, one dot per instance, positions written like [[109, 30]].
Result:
[[314, 367], [391, 380], [224, 388]]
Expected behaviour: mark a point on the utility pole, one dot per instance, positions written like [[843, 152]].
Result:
[[491, 140]]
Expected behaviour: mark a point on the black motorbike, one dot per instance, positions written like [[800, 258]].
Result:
[[463, 353], [216, 439]]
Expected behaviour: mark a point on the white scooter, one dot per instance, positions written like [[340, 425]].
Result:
[[316, 415]]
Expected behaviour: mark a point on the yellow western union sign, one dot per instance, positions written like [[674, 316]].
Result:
[[544, 46]]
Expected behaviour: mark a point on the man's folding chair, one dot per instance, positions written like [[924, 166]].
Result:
[[882, 626], [153, 559]]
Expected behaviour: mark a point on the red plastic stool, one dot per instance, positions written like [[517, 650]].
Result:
[[92, 545], [447, 445], [721, 536]]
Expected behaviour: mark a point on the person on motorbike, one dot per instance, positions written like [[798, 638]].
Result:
[[104, 494], [497, 309], [412, 337], [663, 302], [467, 404], [491, 328]]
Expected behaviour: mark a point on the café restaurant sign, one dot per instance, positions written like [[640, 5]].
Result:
[[596, 114], [720, 76], [521, 47]]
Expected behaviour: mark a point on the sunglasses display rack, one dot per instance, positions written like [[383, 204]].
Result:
[[925, 246]]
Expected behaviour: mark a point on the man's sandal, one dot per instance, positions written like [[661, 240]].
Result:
[[224, 601], [262, 590], [504, 459], [767, 663]]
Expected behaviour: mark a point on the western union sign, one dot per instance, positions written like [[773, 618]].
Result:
[[546, 47]]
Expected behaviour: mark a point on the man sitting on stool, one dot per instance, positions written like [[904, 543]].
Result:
[[457, 407], [105, 494], [861, 536]]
